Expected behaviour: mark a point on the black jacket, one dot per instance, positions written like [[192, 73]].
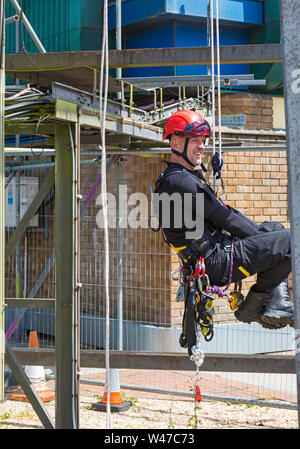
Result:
[[177, 179]]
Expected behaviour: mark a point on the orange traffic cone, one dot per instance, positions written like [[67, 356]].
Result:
[[117, 404], [36, 375]]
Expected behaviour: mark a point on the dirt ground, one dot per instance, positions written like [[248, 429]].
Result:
[[146, 413]]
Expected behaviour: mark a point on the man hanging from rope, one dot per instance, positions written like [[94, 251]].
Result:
[[256, 249]]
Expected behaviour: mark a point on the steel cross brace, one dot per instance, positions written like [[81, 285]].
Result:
[[31, 394]]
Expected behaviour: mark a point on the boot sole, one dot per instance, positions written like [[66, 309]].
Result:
[[277, 320], [266, 325], [239, 316]]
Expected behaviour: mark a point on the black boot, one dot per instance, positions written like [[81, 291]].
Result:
[[253, 307], [280, 308]]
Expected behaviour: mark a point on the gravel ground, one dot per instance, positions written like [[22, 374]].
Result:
[[159, 414]]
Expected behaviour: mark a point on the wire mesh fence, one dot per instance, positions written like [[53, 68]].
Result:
[[144, 313]]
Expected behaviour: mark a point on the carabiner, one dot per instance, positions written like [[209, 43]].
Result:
[[174, 272]]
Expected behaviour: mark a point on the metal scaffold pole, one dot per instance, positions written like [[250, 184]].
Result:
[[290, 25], [66, 414], [2, 220], [119, 257], [28, 26]]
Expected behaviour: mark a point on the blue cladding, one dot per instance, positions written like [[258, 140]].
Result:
[[182, 23], [190, 34], [181, 33], [244, 11], [136, 11], [158, 35]]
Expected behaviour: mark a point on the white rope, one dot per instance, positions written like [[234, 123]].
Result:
[[212, 45], [212, 74], [219, 77], [103, 106]]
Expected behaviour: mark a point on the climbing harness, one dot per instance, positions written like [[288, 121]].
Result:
[[197, 293]]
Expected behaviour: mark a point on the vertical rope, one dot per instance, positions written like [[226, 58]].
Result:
[[2, 198], [213, 100], [219, 77], [103, 106], [212, 72]]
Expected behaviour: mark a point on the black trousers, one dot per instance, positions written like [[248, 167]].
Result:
[[266, 254]]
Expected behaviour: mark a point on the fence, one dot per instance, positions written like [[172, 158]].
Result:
[[144, 313]]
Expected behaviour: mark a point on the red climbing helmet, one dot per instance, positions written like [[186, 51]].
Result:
[[187, 124]]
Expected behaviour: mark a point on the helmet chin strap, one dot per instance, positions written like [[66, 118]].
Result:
[[184, 153]]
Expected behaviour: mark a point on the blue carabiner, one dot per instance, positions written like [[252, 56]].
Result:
[[217, 163]]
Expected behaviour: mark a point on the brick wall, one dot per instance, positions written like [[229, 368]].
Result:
[[258, 109]]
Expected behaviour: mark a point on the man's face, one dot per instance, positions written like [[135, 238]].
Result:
[[195, 149]]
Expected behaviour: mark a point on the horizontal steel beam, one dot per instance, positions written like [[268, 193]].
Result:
[[162, 150], [72, 95], [148, 57], [263, 363], [28, 128], [223, 83], [194, 80], [119, 125]]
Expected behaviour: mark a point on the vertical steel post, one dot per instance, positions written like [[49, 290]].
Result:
[[2, 197], [290, 25], [119, 258], [18, 182], [65, 289], [76, 281]]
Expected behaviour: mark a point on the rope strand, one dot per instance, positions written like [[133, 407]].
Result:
[[103, 108], [219, 77], [212, 73]]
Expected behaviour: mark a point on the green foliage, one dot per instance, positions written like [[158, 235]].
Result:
[[194, 421]]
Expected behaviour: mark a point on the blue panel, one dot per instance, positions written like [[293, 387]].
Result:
[[243, 11], [189, 34], [234, 11], [135, 11], [159, 35]]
